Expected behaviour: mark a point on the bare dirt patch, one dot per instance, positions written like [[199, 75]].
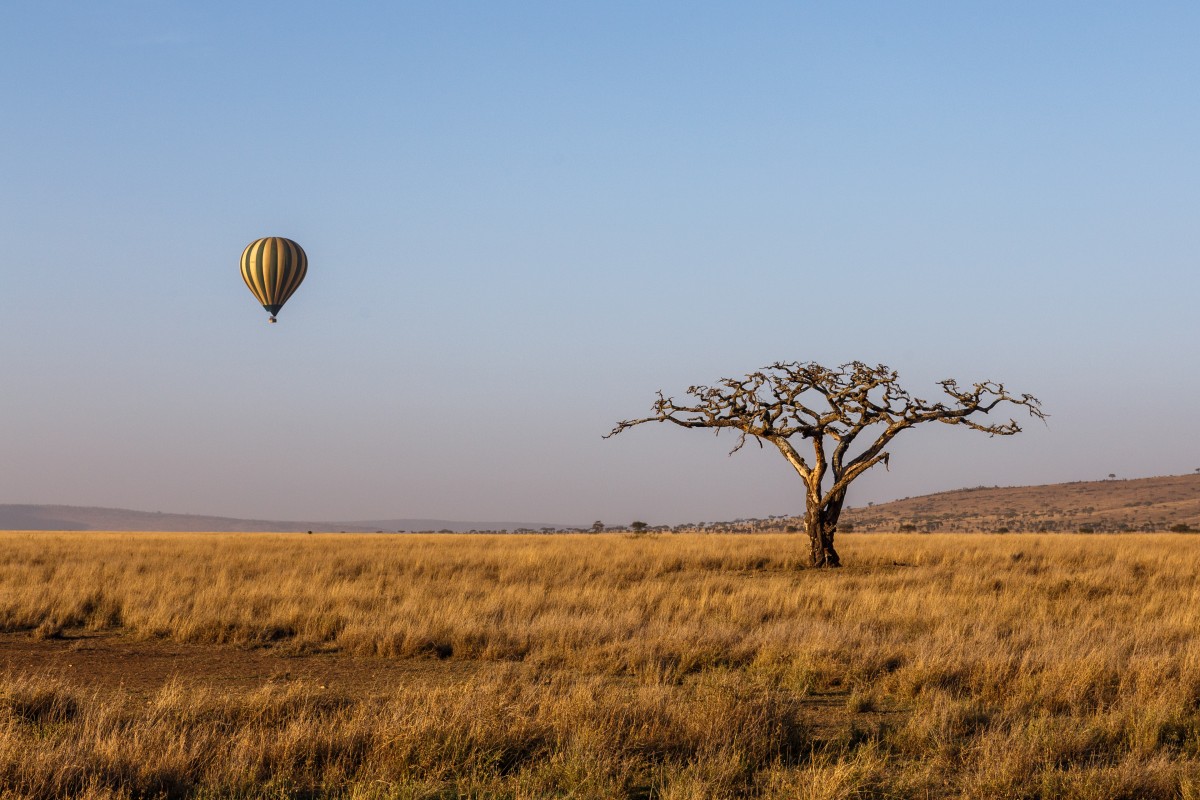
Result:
[[116, 664], [111, 661]]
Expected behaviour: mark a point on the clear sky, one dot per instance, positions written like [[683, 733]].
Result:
[[522, 219]]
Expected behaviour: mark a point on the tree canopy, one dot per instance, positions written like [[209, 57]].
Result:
[[788, 402]]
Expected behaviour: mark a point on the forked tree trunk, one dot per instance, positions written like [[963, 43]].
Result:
[[821, 524]]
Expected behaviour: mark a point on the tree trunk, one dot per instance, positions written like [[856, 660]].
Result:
[[821, 525]]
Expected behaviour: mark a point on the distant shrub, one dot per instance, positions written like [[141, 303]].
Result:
[[1002, 530], [908, 527], [1181, 527], [1086, 529]]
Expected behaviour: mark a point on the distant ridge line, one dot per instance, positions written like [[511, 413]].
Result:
[[1164, 503], [1106, 506], [29, 517]]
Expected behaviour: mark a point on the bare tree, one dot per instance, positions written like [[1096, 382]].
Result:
[[831, 407]]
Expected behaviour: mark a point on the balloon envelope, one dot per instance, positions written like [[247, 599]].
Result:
[[273, 268]]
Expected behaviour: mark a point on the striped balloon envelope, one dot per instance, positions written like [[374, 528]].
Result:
[[273, 269]]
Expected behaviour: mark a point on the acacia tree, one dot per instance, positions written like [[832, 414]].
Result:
[[787, 402]]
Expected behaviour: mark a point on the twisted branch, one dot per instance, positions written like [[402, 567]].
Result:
[[789, 399]]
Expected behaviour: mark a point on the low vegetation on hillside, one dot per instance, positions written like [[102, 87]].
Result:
[[1169, 503], [609, 666]]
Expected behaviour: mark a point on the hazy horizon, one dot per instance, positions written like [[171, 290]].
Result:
[[12, 516], [522, 221]]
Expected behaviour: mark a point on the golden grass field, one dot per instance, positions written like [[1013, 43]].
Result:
[[606, 666]]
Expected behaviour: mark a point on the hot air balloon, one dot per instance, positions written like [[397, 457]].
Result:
[[273, 268]]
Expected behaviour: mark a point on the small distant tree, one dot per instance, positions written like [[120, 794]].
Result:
[[597, 527], [789, 402], [637, 526]]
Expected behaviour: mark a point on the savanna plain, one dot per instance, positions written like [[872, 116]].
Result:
[[598, 666]]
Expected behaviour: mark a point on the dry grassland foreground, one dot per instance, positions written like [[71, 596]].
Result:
[[663, 666]]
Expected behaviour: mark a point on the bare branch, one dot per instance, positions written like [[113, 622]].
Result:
[[791, 399]]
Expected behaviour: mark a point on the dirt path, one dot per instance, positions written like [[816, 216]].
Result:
[[115, 664], [111, 661]]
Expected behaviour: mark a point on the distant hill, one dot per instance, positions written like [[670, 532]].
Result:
[[1142, 504], [80, 518]]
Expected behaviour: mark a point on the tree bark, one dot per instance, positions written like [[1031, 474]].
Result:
[[821, 529]]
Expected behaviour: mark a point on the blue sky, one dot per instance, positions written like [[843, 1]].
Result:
[[524, 218]]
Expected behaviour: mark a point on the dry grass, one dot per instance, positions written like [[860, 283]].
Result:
[[616, 666]]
